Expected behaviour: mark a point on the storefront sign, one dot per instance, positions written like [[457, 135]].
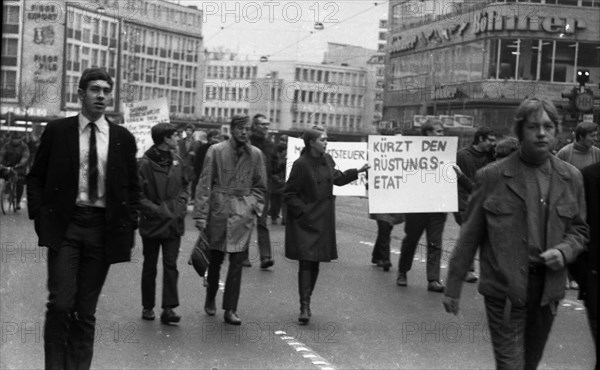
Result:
[[492, 21], [44, 35], [34, 112], [45, 63], [44, 11]]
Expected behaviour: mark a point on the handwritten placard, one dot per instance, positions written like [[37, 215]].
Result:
[[346, 155], [139, 118], [412, 174]]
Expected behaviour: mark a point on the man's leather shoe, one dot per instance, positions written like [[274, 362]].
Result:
[[471, 277], [148, 314], [379, 263], [232, 318], [435, 286], [265, 263], [386, 265], [402, 280], [169, 316], [246, 263], [210, 307]]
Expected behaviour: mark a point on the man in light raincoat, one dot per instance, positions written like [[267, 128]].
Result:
[[229, 197]]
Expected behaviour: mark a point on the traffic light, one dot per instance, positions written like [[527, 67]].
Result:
[[583, 76], [572, 96]]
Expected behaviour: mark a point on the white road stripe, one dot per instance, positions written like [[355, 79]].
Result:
[[306, 351]]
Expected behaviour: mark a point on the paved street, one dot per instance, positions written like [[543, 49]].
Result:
[[361, 319]]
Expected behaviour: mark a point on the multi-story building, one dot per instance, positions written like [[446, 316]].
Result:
[[481, 59], [372, 61], [151, 48], [293, 95], [227, 86]]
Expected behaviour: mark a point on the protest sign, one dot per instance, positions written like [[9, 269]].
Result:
[[346, 155], [411, 174], [139, 118]]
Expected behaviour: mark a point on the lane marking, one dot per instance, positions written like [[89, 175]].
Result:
[[305, 350]]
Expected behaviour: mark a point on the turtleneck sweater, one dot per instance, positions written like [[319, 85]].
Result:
[[536, 173], [579, 155]]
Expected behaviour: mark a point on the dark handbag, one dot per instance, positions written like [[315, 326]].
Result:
[[200, 256]]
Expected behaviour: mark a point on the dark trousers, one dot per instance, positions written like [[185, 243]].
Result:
[[591, 301], [170, 251], [459, 217], [264, 240], [519, 337], [195, 179], [234, 277], [76, 274], [433, 225], [277, 206], [381, 250]]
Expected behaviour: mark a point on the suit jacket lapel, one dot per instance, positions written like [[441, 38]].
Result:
[[72, 143], [114, 148]]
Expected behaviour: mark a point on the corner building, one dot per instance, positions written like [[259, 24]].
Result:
[[151, 48], [482, 58]]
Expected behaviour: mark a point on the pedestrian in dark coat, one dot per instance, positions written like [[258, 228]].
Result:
[[162, 214], [82, 193], [310, 224], [588, 262]]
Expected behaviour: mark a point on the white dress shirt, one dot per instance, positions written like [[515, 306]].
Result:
[[84, 148]]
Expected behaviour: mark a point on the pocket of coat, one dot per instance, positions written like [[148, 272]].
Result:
[[567, 210], [498, 208]]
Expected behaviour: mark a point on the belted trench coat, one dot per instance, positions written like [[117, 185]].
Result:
[[230, 194]]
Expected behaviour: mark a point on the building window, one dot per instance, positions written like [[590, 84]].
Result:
[[11, 15], [9, 51], [9, 83]]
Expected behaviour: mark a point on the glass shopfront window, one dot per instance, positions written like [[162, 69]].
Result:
[[564, 61], [541, 60]]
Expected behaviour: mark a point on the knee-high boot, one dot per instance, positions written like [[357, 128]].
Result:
[[304, 290], [314, 273]]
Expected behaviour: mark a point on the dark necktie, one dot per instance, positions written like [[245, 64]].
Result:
[[93, 166]]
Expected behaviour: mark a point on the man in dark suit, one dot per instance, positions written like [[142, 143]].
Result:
[[83, 194]]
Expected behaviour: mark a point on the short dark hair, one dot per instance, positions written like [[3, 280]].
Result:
[[93, 74], [481, 134], [429, 124], [212, 133], [190, 127], [238, 119], [584, 128], [161, 131], [311, 134], [533, 105], [257, 117]]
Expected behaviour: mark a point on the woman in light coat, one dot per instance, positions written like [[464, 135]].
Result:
[[310, 224]]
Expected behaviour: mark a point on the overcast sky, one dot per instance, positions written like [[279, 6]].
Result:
[[282, 29]]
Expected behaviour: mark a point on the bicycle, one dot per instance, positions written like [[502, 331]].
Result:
[[8, 189]]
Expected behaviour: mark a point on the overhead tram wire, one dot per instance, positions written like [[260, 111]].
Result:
[[338, 23]]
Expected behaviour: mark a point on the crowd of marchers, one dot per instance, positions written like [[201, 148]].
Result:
[[87, 194]]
